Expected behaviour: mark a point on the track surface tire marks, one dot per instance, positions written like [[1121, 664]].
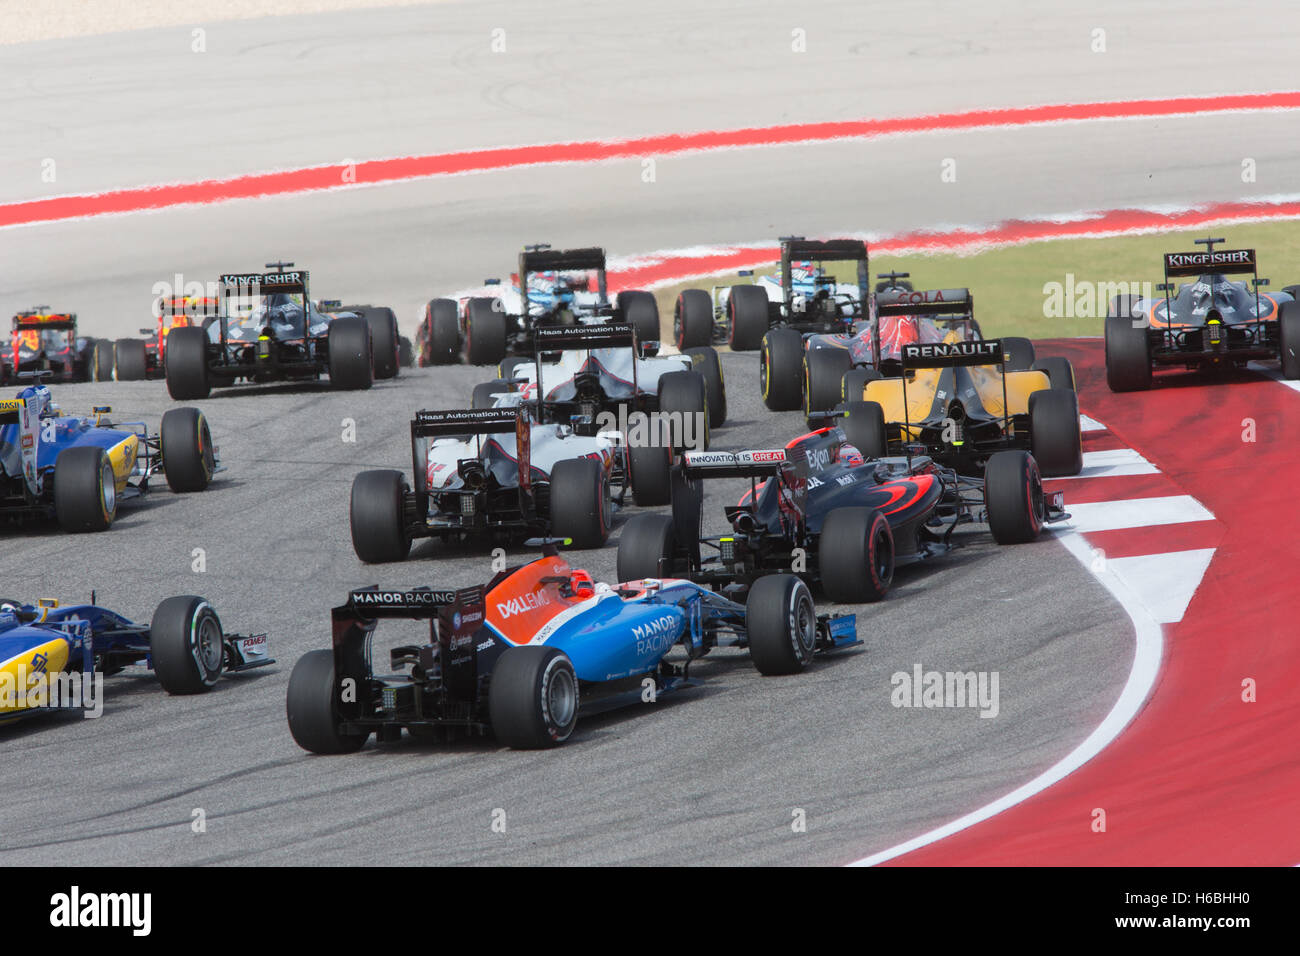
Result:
[[1200, 777], [709, 776]]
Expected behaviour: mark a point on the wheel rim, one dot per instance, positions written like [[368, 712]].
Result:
[[561, 697], [803, 625], [207, 645], [108, 489], [205, 447], [883, 548]]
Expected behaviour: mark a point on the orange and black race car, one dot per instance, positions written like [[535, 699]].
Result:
[[1211, 323], [47, 341]]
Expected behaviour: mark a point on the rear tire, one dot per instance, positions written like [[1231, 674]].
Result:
[[185, 364], [781, 622], [1058, 370], [85, 489], [693, 319], [444, 332], [481, 397], [650, 468], [705, 361], [646, 547], [385, 342], [1288, 330], [747, 317], [485, 332], [185, 440], [864, 428], [131, 360], [1013, 497], [641, 311], [533, 698], [686, 394], [376, 514], [185, 643], [856, 555], [824, 371], [854, 384], [1054, 433], [311, 705], [1128, 355], [583, 509], [350, 358], [780, 369], [104, 361], [1019, 352]]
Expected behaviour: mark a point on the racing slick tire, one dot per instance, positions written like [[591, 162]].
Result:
[[405, 352], [485, 331], [781, 622], [385, 342], [444, 331], [481, 397], [1013, 497], [1293, 291], [856, 555], [854, 384], [1019, 352], [311, 706], [641, 311], [131, 360], [185, 364], [350, 356], [1128, 355], [823, 373], [533, 698], [376, 514], [706, 362], [747, 318], [1054, 433], [85, 489], [646, 547], [1058, 370], [509, 366], [185, 442], [103, 361], [863, 425], [1288, 334], [686, 394], [1122, 305], [693, 319], [186, 645], [650, 470], [780, 369], [583, 511]]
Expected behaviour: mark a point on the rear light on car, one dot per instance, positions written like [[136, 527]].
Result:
[[727, 549], [468, 504]]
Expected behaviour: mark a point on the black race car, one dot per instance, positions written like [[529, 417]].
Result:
[[267, 329], [825, 513], [1209, 324], [553, 287]]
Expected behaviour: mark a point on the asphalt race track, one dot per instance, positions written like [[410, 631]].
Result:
[[712, 775]]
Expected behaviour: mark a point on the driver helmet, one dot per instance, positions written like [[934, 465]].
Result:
[[582, 584]]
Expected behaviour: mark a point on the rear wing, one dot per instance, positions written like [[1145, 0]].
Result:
[[537, 259], [265, 283], [758, 463], [374, 602], [1226, 261], [600, 335], [797, 248], [475, 421], [925, 302], [953, 354], [35, 320]]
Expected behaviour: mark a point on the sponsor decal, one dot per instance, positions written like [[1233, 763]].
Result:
[[945, 350], [654, 636], [523, 604], [761, 457], [414, 598], [485, 645], [1208, 260]]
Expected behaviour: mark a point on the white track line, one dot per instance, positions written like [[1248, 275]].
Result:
[[1136, 513], [1115, 463]]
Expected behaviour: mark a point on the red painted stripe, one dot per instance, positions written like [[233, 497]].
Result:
[[1201, 777], [1113, 488], [1157, 539], [371, 172]]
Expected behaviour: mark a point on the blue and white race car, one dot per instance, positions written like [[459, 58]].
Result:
[[76, 469], [538, 645], [54, 657]]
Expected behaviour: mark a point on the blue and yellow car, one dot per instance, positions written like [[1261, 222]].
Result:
[[54, 657], [77, 469]]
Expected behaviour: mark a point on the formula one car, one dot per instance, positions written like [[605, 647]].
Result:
[[267, 329], [808, 300], [825, 513], [964, 398], [489, 473], [553, 287], [1212, 323], [77, 470], [584, 374], [375, 314], [48, 342], [538, 645], [129, 360], [51, 654], [810, 368]]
